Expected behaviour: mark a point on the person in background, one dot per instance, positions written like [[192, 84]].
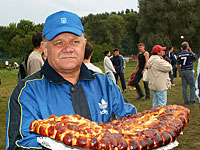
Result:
[[15, 65], [44, 57], [6, 64], [141, 65], [108, 66], [172, 59], [87, 58], [198, 82], [119, 65], [158, 73], [165, 57], [64, 85], [185, 67], [35, 61]]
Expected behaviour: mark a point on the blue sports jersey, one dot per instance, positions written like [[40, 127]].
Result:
[[185, 60]]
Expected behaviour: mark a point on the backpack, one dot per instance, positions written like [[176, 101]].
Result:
[[22, 73]]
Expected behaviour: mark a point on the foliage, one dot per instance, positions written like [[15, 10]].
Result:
[[25, 27], [131, 38], [98, 52], [15, 49], [164, 21], [157, 22], [115, 26], [3, 48]]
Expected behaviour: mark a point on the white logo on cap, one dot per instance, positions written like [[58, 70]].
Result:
[[63, 20]]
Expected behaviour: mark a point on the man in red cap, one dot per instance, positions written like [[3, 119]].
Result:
[[158, 73]]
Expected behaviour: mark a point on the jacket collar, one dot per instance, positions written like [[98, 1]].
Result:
[[53, 76]]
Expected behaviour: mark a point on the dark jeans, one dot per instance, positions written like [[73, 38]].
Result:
[[122, 79], [172, 75], [136, 81]]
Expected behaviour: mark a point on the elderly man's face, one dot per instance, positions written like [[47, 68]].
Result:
[[66, 52]]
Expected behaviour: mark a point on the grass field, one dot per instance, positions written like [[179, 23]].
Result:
[[190, 140]]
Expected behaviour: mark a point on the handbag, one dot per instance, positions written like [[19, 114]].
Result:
[[145, 76], [130, 80]]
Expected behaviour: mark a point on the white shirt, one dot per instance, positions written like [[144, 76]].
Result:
[[34, 63], [6, 63], [92, 67], [108, 66], [16, 64]]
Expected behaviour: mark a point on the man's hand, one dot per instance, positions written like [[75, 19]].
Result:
[[143, 71]]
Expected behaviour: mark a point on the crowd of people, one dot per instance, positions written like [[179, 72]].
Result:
[[61, 79], [162, 69], [13, 65]]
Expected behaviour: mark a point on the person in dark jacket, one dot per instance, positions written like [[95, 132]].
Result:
[[172, 59], [64, 85], [119, 65]]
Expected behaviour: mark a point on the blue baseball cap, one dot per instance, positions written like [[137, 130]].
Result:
[[62, 21]]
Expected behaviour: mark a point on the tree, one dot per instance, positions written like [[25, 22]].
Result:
[[164, 21], [25, 27], [10, 32], [3, 48], [39, 27], [16, 47], [131, 38], [97, 31], [152, 26], [196, 23], [27, 46], [157, 22], [3, 43], [116, 29]]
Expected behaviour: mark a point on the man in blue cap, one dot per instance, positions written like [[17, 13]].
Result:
[[64, 85]]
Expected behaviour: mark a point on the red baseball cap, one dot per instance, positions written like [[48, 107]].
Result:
[[158, 48]]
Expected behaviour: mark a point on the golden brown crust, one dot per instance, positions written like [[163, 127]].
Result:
[[146, 130]]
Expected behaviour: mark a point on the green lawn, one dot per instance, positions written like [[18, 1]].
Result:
[[190, 140]]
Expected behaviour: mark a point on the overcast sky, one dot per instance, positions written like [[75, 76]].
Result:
[[12, 11]]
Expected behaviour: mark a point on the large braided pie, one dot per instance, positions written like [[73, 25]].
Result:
[[142, 131]]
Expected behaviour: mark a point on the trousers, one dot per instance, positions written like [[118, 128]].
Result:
[[136, 81], [159, 98], [188, 78], [122, 79], [111, 75]]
